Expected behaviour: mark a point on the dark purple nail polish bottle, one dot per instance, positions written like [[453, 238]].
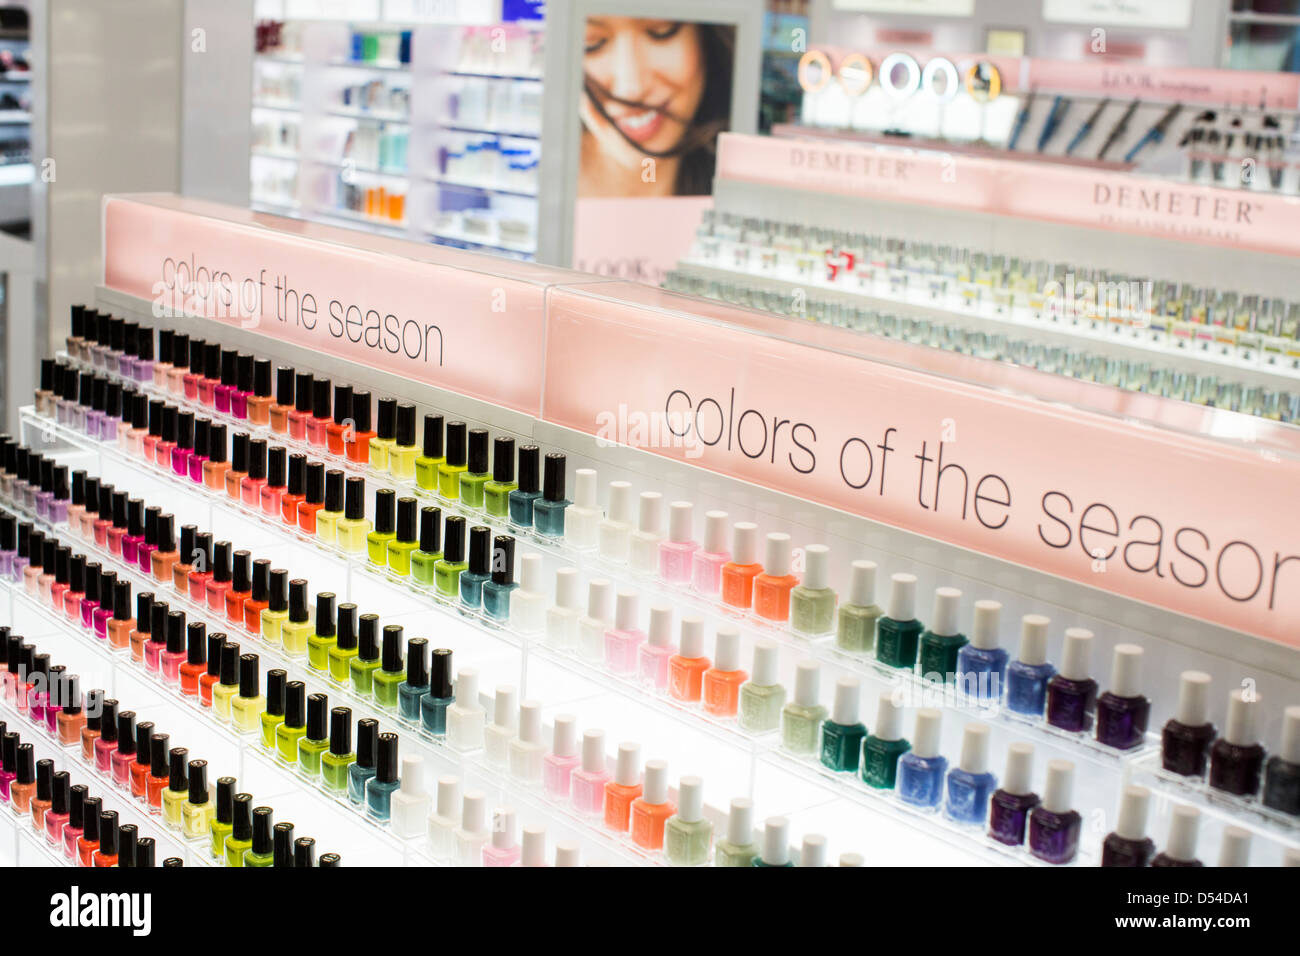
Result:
[[1186, 738], [1010, 805], [1054, 825], [1122, 712], [1128, 845], [1282, 778], [1237, 758], [1072, 694], [1180, 850]]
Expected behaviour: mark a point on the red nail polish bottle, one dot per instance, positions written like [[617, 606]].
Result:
[[167, 441], [259, 600], [196, 663], [250, 489], [170, 660], [293, 493], [219, 582], [117, 530], [337, 431], [273, 491], [73, 828], [140, 766], [212, 670], [159, 770], [358, 442], [211, 374], [313, 498], [88, 842], [241, 587]]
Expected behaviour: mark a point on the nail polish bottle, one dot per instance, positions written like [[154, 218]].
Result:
[[738, 847], [164, 559], [35, 555], [317, 426], [315, 741], [1180, 849], [183, 449], [216, 584], [392, 669], [62, 578], [90, 731], [615, 530], [178, 788], [385, 526], [167, 440], [1028, 674], [598, 620], [939, 645], [502, 729], [801, 719], [384, 439], [259, 599], [651, 811], [677, 554], [241, 587], [559, 765], [45, 393], [438, 696], [412, 690], [843, 732], [563, 616], [643, 546], [502, 850], [1054, 825], [762, 697], [198, 810], [57, 816], [526, 749], [921, 770], [174, 652], [624, 788], [159, 770], [262, 852], [381, 787], [105, 745], [362, 770], [9, 763], [500, 586], [228, 384], [106, 853], [366, 661], [246, 707], [273, 714], [653, 658], [136, 434], [1011, 804], [341, 646], [240, 840], [59, 501], [297, 628], [353, 527], [134, 540], [88, 840], [227, 686], [587, 782], [1072, 694], [331, 512], [721, 682], [157, 643], [982, 664], [338, 431], [457, 463], [472, 835], [8, 545], [279, 412], [323, 639], [444, 820], [624, 639], [1234, 850], [409, 804], [306, 492], [104, 609], [260, 401], [1122, 711], [812, 603], [294, 492], [72, 718], [196, 659], [43, 798], [356, 440], [124, 757], [402, 456], [271, 496], [497, 491], [532, 847], [970, 784], [476, 474], [304, 387], [1237, 758], [448, 569], [1185, 739], [222, 822], [238, 469], [1282, 777], [250, 488], [775, 850], [288, 733], [198, 456], [335, 761], [177, 350], [686, 668], [418, 558]]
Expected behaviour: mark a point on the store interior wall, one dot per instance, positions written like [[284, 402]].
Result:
[[217, 84]]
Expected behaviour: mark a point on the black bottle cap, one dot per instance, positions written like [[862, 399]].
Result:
[[263, 838], [158, 611], [9, 747], [298, 600], [330, 860], [151, 516], [230, 664], [342, 404], [202, 436], [318, 706], [440, 672], [45, 779], [386, 759], [241, 566], [221, 561], [295, 703], [61, 796], [341, 731], [126, 732], [97, 392], [303, 392], [244, 372], [107, 582], [24, 540], [49, 552], [249, 675], [406, 425], [198, 350], [453, 539], [156, 407], [262, 581], [169, 414], [143, 734], [456, 439], [159, 745], [113, 400], [91, 807], [8, 532], [333, 491], [503, 560], [417, 662], [26, 763], [178, 761], [431, 530], [313, 490], [478, 451], [406, 512], [166, 542], [392, 654], [553, 481], [433, 426], [144, 343], [140, 412], [119, 510], [367, 741], [282, 840], [262, 378], [239, 453], [198, 780], [105, 501], [186, 547], [122, 600], [304, 853], [215, 642], [386, 421], [127, 844], [176, 632], [47, 375], [108, 719], [196, 641], [278, 595], [503, 460], [276, 680], [225, 809], [135, 517], [72, 694], [297, 474], [320, 398], [241, 817], [201, 556], [529, 457], [205, 358], [284, 385], [217, 443], [360, 413], [185, 430], [346, 630], [276, 467], [108, 832], [145, 853], [36, 549], [368, 638], [94, 706], [385, 510], [257, 458], [480, 550], [354, 498], [90, 489], [229, 367]]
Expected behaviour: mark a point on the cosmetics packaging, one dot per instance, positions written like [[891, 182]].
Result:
[[654, 655], [651, 810], [644, 541], [272, 715], [357, 435], [1054, 826], [326, 520], [1237, 758], [444, 819], [677, 552], [498, 589], [240, 839], [343, 648], [623, 789], [624, 639], [294, 726], [431, 456], [297, 628], [1282, 776], [198, 811], [477, 569], [843, 732], [1180, 848], [1029, 673], [402, 456], [1122, 711], [939, 645], [583, 517], [315, 739], [337, 431], [563, 616], [970, 784], [921, 770], [271, 495], [315, 428], [1234, 850], [801, 719], [405, 541], [381, 787], [247, 706], [1185, 739], [465, 717], [1010, 805], [227, 686], [587, 782], [982, 664], [559, 764], [856, 629], [313, 496], [415, 685], [261, 854], [336, 761], [528, 602], [284, 400], [392, 668], [362, 770], [259, 602], [258, 404], [409, 804], [476, 474], [721, 682], [1071, 693], [1128, 845], [474, 832], [501, 730], [454, 466], [738, 847], [178, 788], [385, 527], [366, 661], [686, 668], [687, 835], [324, 635], [615, 530]]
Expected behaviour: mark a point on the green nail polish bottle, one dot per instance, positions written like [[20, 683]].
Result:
[[240, 840], [688, 837], [262, 852], [273, 716], [881, 750], [449, 471], [366, 662], [898, 632], [344, 649], [223, 820], [323, 638], [937, 660], [424, 560], [404, 544], [762, 696], [392, 671], [291, 731], [738, 849], [447, 571], [426, 465], [842, 734], [801, 719], [315, 741], [812, 602], [334, 763], [496, 493], [476, 473], [856, 632], [385, 527]]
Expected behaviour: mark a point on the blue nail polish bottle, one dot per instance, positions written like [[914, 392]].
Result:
[[434, 704], [380, 787], [1028, 674], [982, 664], [412, 691], [478, 571], [921, 772], [529, 490], [362, 770], [496, 590], [548, 510], [969, 783]]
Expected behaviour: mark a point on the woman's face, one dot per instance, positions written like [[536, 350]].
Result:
[[649, 78]]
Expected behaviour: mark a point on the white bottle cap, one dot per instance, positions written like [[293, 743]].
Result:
[[532, 840], [654, 786], [807, 678], [1290, 749], [813, 850], [816, 566], [929, 725], [852, 859], [1184, 827], [715, 532], [627, 769], [503, 828], [726, 649], [1235, 848], [1033, 640], [467, 687], [766, 670], [505, 706], [1058, 791], [1126, 671], [744, 542], [448, 796], [848, 698], [690, 799], [975, 748], [947, 608], [889, 718], [660, 632], [1240, 728], [567, 853], [566, 588], [593, 751], [530, 573], [740, 822], [1193, 698], [691, 643], [776, 556], [1019, 776], [530, 721], [564, 735], [984, 627], [902, 597], [473, 813], [1133, 807], [620, 501], [625, 611], [649, 516], [776, 841], [598, 599], [584, 488], [862, 583], [681, 522], [413, 775], [1076, 658]]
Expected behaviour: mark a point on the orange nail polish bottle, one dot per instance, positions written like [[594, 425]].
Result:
[[164, 559], [722, 681], [294, 489], [216, 467], [738, 574], [313, 497], [238, 469], [772, 588], [259, 403], [259, 599], [241, 586], [338, 431], [686, 668], [650, 811], [624, 788], [279, 412]]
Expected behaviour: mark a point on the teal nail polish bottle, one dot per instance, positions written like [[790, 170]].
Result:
[[548, 510], [416, 685], [842, 734], [898, 632], [529, 490], [391, 673], [316, 740], [881, 750], [434, 704], [856, 630], [776, 844], [363, 768], [476, 474], [498, 588], [480, 566], [937, 657], [380, 787]]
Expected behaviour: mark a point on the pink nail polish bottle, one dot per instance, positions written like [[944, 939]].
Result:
[[677, 550], [229, 380], [624, 638], [184, 446], [706, 564], [588, 781], [559, 764], [653, 656], [199, 451]]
